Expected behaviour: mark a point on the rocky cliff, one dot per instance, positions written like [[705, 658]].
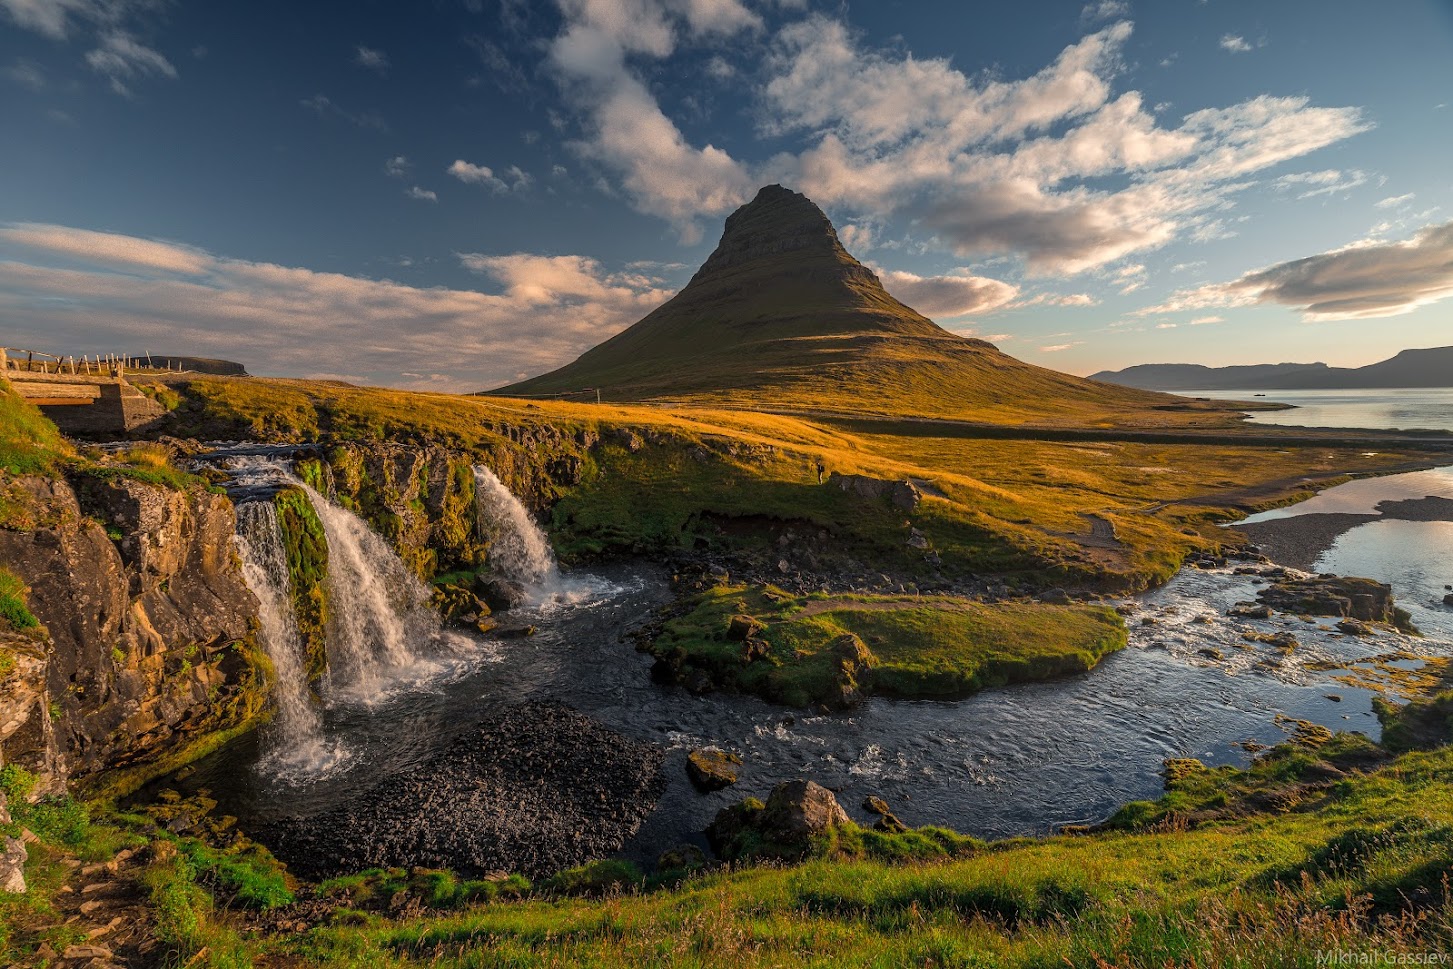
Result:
[[146, 649]]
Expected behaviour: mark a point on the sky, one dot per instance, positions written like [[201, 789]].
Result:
[[453, 194]]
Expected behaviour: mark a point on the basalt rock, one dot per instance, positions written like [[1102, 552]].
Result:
[[1365, 600], [148, 625], [902, 494]]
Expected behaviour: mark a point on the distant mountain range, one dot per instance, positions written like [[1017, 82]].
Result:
[[1432, 367]]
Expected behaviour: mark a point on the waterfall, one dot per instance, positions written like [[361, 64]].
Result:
[[519, 550], [297, 729], [378, 608]]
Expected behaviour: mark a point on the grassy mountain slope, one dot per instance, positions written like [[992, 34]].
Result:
[[781, 315]]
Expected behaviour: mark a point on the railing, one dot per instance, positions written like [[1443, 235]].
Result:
[[99, 365]]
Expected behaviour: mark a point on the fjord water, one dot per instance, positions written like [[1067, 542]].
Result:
[[1403, 410], [1003, 762]]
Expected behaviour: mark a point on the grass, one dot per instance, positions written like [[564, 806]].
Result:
[[13, 610], [29, 443], [1270, 889], [932, 646], [648, 479]]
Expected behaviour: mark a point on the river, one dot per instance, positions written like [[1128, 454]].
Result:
[[1014, 761]]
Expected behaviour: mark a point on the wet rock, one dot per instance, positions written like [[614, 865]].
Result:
[[711, 768], [1250, 610], [783, 828], [514, 632], [1354, 627], [501, 594], [534, 789], [1210, 652], [1448, 599], [1365, 600]]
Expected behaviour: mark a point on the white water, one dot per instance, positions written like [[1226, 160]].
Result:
[[520, 551], [518, 548], [296, 740], [377, 610]]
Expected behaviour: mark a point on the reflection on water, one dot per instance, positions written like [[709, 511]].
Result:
[[1415, 558], [1411, 409], [1363, 496]]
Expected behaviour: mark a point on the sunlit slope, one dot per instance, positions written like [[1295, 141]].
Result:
[[781, 315]]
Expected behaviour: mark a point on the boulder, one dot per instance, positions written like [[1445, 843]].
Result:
[[711, 768], [754, 649], [1448, 599], [1347, 597], [681, 858], [796, 814], [876, 805], [1056, 597], [741, 627], [501, 594], [1354, 627], [902, 494]]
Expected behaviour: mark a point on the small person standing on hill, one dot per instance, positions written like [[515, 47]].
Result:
[[820, 469]]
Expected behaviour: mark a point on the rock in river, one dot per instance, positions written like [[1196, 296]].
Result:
[[783, 828], [711, 768]]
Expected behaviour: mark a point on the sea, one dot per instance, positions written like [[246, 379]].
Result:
[[1403, 410]]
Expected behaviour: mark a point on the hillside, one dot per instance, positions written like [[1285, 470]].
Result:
[[782, 316], [1432, 367]]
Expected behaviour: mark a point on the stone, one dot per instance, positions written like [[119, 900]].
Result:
[[12, 866], [876, 805], [681, 858], [711, 768], [1354, 627], [741, 627], [755, 649], [1448, 599], [79, 952], [1250, 610], [500, 594], [1056, 597], [1347, 597], [889, 824], [796, 813]]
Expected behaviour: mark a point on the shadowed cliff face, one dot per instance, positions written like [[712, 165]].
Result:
[[148, 623]]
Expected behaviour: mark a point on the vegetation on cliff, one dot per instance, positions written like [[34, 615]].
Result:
[[833, 649], [305, 547]]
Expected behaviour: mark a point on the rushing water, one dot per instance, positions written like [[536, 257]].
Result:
[[1003, 762], [518, 548], [296, 747], [1406, 410]]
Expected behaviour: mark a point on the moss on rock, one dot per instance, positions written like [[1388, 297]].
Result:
[[306, 547]]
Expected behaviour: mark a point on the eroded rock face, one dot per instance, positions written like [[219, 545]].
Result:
[[148, 623]]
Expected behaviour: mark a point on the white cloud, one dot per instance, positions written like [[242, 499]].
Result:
[[1367, 280], [374, 60], [122, 58], [1234, 43], [398, 167], [1105, 10], [945, 297], [1203, 320], [422, 194], [1166, 326], [1028, 167], [74, 288], [324, 107], [1327, 182], [471, 174], [1396, 201], [1057, 347], [26, 74], [56, 18]]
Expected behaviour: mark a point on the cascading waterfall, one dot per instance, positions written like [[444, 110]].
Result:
[[378, 607], [297, 730], [520, 550]]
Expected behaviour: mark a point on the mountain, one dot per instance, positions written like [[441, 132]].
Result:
[[1432, 367], [782, 314]]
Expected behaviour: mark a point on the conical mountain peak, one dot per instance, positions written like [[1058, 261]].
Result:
[[781, 312]]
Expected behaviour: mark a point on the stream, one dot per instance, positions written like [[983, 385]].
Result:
[[1020, 760]]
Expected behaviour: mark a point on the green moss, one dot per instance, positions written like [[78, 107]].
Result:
[[915, 646], [305, 545], [13, 610]]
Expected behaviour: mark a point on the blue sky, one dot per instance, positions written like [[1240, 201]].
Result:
[[456, 193]]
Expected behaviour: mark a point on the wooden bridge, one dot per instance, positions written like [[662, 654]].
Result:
[[83, 398]]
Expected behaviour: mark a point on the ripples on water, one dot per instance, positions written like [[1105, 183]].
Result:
[[1406, 410], [1012, 761]]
